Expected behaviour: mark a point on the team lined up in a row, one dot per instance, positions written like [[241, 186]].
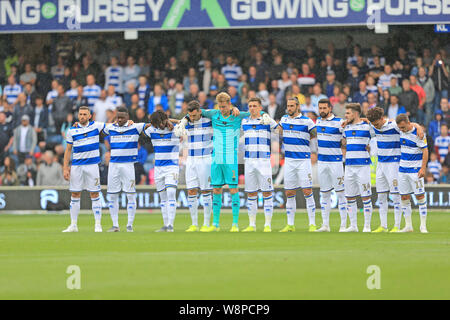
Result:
[[212, 163]]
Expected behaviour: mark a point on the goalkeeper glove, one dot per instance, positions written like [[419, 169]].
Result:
[[180, 128], [266, 119]]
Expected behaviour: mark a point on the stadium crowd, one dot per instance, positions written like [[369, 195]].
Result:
[[39, 101]]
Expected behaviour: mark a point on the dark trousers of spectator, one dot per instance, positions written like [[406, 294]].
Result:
[[21, 156]]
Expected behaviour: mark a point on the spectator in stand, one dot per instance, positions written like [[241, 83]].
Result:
[[361, 95], [131, 72], [394, 89], [65, 128], [354, 79], [284, 82], [191, 78], [235, 99], [371, 100], [204, 102], [445, 175], [28, 76], [134, 106], [193, 93], [143, 91], [25, 139], [173, 71], [274, 110], [442, 143], [428, 86], [158, 97], [440, 75], [52, 94], [330, 83], [114, 75], [177, 98], [27, 172], [422, 98], [39, 119], [112, 98], [384, 81], [6, 136], [30, 93], [308, 106], [316, 96], [9, 175], [232, 72], [263, 94], [43, 80], [409, 99], [339, 107], [434, 166], [205, 77], [445, 110], [100, 108], [277, 67], [222, 84], [57, 70], [262, 69], [62, 105], [91, 91], [79, 101], [72, 93], [49, 171], [393, 110], [306, 78], [11, 91], [21, 108], [297, 94], [371, 87], [434, 128], [86, 69]]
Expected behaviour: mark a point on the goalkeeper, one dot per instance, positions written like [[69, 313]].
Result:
[[226, 124]]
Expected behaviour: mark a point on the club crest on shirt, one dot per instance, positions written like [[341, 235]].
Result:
[[161, 135], [323, 129], [354, 133], [291, 126], [254, 126]]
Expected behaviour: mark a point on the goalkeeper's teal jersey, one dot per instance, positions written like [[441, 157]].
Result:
[[226, 135]]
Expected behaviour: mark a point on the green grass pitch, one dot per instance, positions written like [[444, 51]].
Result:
[[34, 256]]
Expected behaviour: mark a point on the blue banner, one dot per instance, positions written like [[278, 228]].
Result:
[[119, 15]]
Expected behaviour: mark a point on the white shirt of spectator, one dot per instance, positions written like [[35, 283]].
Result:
[[100, 108], [23, 138], [114, 101]]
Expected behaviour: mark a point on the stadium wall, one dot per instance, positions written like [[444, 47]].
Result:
[[58, 198]]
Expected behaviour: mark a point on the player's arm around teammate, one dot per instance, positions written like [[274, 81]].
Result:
[[83, 143], [298, 131], [411, 177], [258, 170]]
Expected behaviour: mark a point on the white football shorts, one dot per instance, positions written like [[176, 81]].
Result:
[[409, 183], [387, 177], [357, 181], [166, 177], [85, 177], [331, 176], [258, 175], [198, 173], [121, 177], [297, 174]]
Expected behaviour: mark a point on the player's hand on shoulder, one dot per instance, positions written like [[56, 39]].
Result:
[[235, 111], [344, 123]]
